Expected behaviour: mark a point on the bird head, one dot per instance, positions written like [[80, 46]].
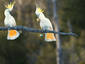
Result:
[[38, 11], [10, 6]]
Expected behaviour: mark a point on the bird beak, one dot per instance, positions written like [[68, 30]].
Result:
[[38, 19]]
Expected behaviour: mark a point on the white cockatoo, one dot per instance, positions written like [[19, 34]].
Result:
[[45, 24], [9, 21]]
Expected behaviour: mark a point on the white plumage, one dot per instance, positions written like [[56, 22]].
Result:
[[9, 21], [45, 24]]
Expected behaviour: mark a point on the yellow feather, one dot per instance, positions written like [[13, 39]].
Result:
[[10, 5], [40, 10]]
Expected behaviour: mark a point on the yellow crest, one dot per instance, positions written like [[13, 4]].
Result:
[[10, 5], [40, 10]]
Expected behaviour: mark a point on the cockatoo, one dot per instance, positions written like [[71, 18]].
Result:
[[9, 21], [45, 24]]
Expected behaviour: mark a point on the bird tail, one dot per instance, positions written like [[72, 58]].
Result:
[[12, 34], [49, 37]]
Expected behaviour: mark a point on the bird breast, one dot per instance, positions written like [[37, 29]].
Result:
[[9, 21]]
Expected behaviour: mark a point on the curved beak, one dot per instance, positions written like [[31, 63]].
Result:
[[38, 19]]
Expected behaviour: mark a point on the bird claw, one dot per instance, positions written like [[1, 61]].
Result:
[[41, 35]]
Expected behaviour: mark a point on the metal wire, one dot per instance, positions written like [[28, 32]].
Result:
[[36, 30]]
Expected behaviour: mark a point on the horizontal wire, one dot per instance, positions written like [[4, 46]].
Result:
[[36, 30]]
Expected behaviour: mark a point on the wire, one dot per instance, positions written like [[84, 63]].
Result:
[[36, 30]]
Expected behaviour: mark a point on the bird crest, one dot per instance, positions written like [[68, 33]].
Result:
[[10, 5], [40, 10]]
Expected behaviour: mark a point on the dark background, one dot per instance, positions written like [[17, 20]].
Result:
[[30, 48]]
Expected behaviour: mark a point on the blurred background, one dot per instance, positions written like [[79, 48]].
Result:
[[30, 48]]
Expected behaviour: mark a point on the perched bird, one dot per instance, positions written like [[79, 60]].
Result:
[[45, 24], [9, 21]]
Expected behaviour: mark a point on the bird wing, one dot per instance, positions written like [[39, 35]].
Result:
[[10, 21], [45, 24]]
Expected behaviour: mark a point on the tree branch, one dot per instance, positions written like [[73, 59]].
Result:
[[36, 30]]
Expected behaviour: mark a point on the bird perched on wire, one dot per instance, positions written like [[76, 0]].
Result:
[[45, 24], [9, 21]]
